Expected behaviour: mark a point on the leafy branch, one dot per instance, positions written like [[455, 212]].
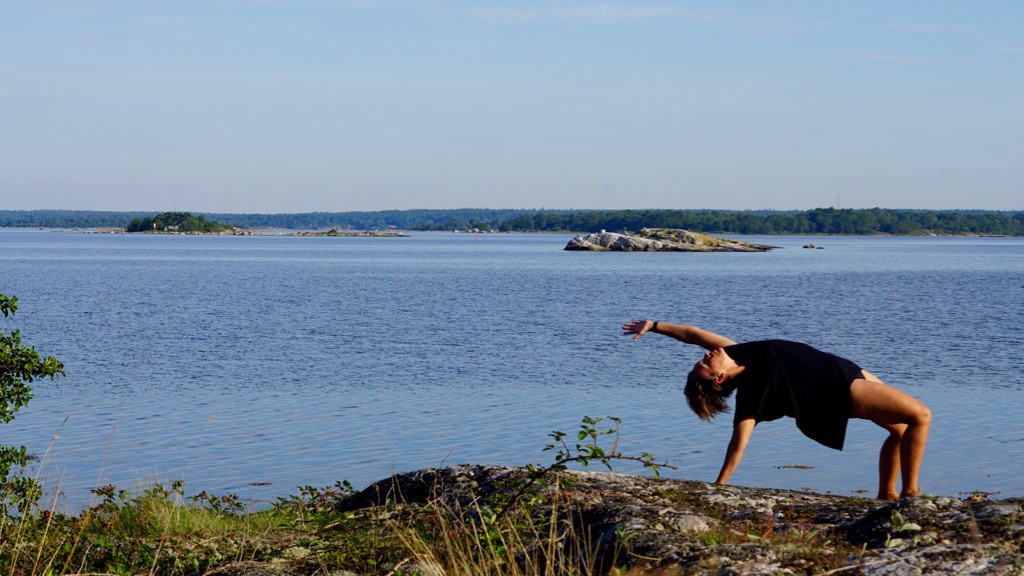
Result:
[[592, 451], [586, 450], [20, 365]]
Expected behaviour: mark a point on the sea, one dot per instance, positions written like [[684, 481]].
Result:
[[256, 365]]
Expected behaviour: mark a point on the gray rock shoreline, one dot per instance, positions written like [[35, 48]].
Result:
[[689, 527], [643, 526]]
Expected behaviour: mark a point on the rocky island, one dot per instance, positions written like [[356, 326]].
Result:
[[661, 240], [334, 232]]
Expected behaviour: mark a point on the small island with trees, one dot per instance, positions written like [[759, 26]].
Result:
[[187, 223], [178, 223]]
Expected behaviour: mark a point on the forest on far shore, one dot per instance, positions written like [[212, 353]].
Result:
[[850, 221]]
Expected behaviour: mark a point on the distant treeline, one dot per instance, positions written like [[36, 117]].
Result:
[[381, 220], [817, 221], [68, 218]]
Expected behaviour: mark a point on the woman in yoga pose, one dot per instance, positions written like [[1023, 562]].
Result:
[[776, 378]]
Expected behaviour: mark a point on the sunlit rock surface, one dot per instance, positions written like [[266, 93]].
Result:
[[662, 527], [661, 240], [689, 527]]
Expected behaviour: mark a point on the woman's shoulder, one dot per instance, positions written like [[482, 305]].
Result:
[[746, 352]]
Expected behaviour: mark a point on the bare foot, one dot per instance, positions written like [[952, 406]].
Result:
[[914, 493], [888, 495]]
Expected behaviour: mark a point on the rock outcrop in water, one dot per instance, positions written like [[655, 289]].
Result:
[[334, 232], [661, 240]]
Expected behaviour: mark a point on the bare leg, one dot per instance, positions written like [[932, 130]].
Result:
[[889, 463], [873, 400], [888, 457], [911, 452]]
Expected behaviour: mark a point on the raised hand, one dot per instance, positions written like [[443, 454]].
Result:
[[638, 327]]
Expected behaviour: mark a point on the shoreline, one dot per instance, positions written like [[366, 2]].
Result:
[[409, 233], [421, 522]]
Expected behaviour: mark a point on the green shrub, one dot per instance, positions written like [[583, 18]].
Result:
[[20, 365]]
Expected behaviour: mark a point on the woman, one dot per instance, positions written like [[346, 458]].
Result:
[[775, 378]]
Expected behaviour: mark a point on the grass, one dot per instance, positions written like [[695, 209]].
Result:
[[160, 531], [154, 532], [481, 542]]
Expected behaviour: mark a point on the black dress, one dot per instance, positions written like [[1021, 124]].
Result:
[[783, 378]]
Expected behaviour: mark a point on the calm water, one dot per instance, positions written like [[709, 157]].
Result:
[[255, 365]]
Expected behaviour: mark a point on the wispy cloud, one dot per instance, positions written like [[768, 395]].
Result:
[[55, 40], [610, 12], [604, 12], [884, 57], [597, 13], [90, 40], [923, 27]]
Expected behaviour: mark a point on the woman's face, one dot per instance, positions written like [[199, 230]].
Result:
[[711, 365]]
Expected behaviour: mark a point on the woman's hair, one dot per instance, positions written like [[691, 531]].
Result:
[[707, 397]]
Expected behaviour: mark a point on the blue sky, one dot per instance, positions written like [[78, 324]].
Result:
[[335, 105]]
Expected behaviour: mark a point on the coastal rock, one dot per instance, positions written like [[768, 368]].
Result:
[[334, 232], [661, 240], [689, 527]]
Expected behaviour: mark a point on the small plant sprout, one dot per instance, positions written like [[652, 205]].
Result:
[[593, 452], [899, 524]]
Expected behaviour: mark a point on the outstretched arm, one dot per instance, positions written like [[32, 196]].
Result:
[[687, 334], [740, 436]]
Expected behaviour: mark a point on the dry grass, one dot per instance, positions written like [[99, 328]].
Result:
[[479, 542], [156, 532]]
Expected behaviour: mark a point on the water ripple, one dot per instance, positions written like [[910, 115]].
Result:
[[255, 365]]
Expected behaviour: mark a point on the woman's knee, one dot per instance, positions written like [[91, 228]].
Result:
[[921, 415]]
